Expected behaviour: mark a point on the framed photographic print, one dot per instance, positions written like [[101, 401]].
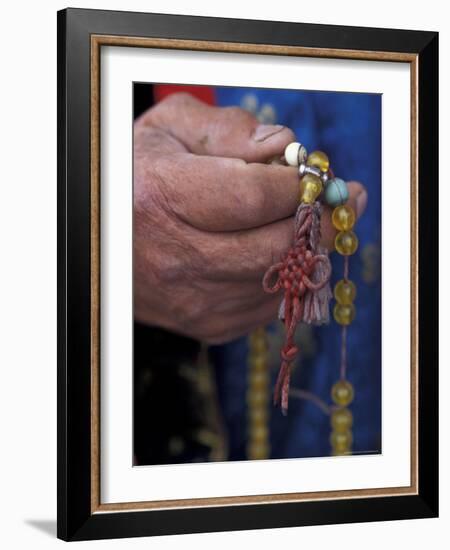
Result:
[[247, 257]]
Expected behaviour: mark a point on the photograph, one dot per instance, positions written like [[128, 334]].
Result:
[[247, 274], [218, 185]]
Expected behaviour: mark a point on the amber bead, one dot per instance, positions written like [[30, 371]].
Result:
[[343, 217], [319, 160], [258, 451], [310, 188], [257, 398], [341, 419], [258, 346], [344, 292], [342, 393], [258, 380], [258, 416], [258, 362], [346, 243], [344, 314], [257, 337], [341, 440], [259, 434]]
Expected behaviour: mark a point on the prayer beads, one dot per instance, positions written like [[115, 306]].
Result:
[[346, 243], [342, 393], [319, 160], [295, 154], [336, 192], [303, 275], [341, 442], [343, 217], [341, 419], [344, 292], [258, 446], [344, 313], [310, 188]]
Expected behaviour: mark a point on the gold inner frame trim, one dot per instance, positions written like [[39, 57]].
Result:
[[264, 49]]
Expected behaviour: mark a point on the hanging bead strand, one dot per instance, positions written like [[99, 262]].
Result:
[[258, 446], [342, 393], [303, 274]]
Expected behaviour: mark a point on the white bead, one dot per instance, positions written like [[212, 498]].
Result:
[[291, 153], [295, 153]]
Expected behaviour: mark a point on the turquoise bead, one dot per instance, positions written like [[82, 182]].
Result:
[[336, 192]]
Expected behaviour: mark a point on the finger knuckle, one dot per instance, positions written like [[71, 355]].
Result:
[[167, 106], [238, 114], [178, 99]]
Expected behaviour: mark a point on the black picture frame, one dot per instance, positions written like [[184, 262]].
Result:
[[76, 519]]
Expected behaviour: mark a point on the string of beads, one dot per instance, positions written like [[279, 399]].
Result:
[[344, 311], [304, 274], [258, 446]]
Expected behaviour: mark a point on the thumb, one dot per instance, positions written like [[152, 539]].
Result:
[[217, 131]]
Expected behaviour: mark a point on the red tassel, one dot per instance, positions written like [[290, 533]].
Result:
[[304, 275]]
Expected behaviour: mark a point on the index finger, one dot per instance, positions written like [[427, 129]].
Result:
[[223, 194]]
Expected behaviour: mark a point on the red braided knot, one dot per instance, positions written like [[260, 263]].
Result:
[[302, 274]]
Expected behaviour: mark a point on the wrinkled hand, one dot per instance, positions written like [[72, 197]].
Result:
[[210, 216]]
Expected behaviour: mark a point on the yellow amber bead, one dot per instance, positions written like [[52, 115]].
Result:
[[341, 441], [342, 393], [341, 420], [346, 243], [258, 332], [258, 362], [343, 217], [258, 398], [310, 188], [257, 337], [258, 380], [258, 346], [344, 292], [344, 314], [258, 451], [319, 160], [259, 434], [258, 418], [258, 415]]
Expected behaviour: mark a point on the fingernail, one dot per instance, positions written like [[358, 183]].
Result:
[[361, 203], [265, 131]]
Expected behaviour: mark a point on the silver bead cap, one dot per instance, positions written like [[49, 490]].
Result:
[[304, 169]]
